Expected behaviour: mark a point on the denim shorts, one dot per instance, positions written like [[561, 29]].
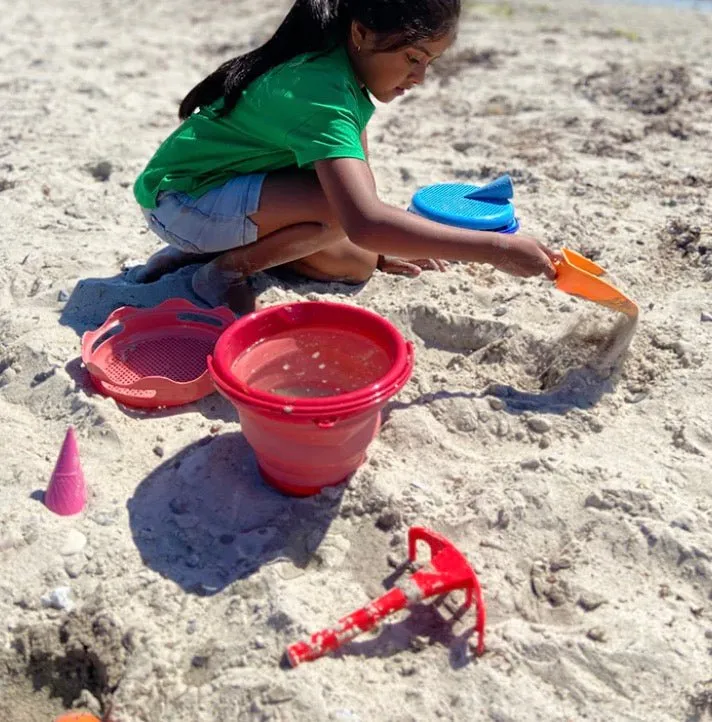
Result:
[[214, 222]]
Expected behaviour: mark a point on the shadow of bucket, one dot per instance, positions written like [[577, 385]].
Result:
[[309, 381]]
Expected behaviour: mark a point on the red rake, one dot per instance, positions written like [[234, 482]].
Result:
[[447, 571]]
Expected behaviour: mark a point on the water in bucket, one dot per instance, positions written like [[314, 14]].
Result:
[[312, 363]]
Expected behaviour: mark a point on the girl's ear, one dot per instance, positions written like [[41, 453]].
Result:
[[360, 35]]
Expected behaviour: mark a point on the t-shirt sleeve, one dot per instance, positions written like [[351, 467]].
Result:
[[326, 134]]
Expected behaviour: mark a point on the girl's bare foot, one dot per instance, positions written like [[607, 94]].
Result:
[[219, 287], [167, 260]]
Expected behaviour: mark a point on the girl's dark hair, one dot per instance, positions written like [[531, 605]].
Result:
[[313, 25]]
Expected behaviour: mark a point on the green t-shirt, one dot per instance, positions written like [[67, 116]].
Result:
[[308, 109]]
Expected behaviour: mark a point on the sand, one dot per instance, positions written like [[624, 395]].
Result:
[[567, 455]]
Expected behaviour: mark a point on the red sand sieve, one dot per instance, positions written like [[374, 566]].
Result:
[[155, 357]]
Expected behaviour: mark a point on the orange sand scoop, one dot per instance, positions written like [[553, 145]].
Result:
[[579, 276]]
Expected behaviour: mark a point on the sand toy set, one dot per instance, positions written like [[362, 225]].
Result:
[[491, 208], [309, 382]]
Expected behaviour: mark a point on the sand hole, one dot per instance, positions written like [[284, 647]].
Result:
[[51, 667], [486, 351], [66, 676]]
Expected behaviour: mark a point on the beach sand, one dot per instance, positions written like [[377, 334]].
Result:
[[566, 453]]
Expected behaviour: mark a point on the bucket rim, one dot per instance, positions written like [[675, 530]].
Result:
[[325, 413], [351, 402]]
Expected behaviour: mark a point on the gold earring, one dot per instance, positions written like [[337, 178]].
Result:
[[358, 48]]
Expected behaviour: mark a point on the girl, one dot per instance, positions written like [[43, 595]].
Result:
[[270, 165]]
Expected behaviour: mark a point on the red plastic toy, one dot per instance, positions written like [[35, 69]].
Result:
[[67, 490], [447, 571], [155, 357], [309, 381]]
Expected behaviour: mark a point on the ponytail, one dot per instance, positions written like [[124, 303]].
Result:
[[310, 25]]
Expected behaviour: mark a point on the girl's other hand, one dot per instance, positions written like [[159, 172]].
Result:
[[524, 256], [413, 267]]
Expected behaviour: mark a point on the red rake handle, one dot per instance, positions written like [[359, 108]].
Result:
[[362, 620]]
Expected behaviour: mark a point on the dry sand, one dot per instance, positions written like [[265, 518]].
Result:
[[576, 477]]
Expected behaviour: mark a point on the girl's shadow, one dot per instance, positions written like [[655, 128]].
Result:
[[205, 518], [93, 299]]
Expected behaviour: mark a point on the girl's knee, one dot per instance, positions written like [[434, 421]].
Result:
[[361, 270], [351, 263], [342, 267]]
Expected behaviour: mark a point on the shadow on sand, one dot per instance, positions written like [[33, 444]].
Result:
[[204, 518], [93, 299], [581, 388]]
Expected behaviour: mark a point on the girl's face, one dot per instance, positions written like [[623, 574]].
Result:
[[390, 74]]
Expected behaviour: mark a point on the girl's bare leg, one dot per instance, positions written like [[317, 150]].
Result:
[[342, 261], [296, 229], [223, 281]]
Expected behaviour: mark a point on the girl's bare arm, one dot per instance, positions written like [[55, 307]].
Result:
[[350, 188]]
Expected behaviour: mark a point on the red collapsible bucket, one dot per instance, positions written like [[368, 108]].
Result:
[[309, 381]]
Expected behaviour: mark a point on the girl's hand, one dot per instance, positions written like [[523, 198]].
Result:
[[401, 267], [524, 256]]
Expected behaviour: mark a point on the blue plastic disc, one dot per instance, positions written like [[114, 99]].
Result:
[[447, 203]]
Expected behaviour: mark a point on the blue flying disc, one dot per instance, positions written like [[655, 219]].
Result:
[[468, 206]]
